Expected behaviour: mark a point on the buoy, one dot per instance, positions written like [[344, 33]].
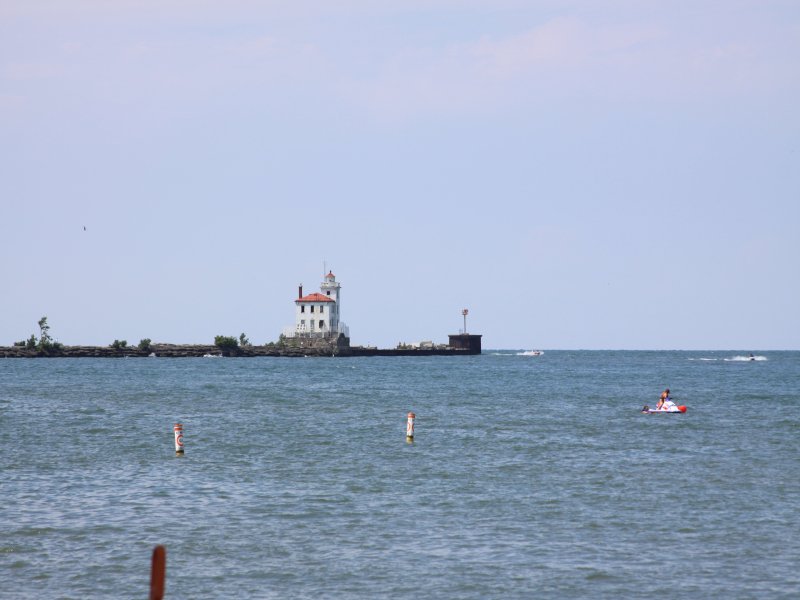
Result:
[[410, 426], [178, 439], [682, 408]]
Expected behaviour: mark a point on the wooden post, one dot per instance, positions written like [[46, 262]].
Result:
[[158, 573]]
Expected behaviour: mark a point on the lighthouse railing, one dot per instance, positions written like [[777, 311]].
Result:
[[293, 331]]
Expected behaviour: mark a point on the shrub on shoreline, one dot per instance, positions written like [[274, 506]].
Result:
[[225, 342]]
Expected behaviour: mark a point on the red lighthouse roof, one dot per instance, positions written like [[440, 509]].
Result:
[[315, 297]]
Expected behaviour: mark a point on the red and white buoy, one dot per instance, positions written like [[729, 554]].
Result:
[[410, 426], [178, 429]]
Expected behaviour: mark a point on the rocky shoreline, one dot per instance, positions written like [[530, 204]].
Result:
[[310, 348]]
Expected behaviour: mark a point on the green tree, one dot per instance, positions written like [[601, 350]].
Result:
[[225, 342], [46, 343], [44, 335], [30, 343], [144, 345], [243, 341], [119, 344]]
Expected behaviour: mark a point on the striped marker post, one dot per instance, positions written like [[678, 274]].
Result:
[[410, 427], [178, 429]]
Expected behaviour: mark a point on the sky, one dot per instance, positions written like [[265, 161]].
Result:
[[598, 174]]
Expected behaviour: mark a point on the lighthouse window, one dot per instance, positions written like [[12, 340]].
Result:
[[322, 324], [312, 308], [328, 292], [302, 309], [321, 309]]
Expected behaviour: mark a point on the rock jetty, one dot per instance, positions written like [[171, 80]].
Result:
[[292, 348]]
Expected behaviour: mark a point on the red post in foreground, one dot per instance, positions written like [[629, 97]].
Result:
[[178, 439], [410, 427], [158, 573]]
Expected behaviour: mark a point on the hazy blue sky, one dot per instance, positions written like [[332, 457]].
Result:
[[579, 174]]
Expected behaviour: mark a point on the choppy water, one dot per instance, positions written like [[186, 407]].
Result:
[[528, 477]]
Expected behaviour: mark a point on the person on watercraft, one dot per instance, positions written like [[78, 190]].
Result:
[[669, 406], [664, 398]]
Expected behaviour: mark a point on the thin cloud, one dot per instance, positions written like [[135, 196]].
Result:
[[178, 51], [567, 58]]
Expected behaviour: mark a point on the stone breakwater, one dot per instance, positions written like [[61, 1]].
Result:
[[309, 348], [166, 351]]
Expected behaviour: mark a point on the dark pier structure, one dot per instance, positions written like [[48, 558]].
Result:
[[468, 342]]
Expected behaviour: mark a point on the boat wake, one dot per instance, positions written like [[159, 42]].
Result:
[[530, 353], [750, 358]]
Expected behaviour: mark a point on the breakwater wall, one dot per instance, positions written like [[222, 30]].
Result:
[[318, 348], [166, 351], [363, 351]]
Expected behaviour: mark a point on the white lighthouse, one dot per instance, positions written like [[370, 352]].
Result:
[[317, 314]]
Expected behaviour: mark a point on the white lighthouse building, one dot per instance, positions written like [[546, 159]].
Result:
[[317, 314]]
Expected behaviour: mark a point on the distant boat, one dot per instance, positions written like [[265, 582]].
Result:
[[530, 353]]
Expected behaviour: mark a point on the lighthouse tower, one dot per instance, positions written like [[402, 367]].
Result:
[[332, 289]]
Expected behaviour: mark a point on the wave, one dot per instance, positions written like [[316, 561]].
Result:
[[530, 353]]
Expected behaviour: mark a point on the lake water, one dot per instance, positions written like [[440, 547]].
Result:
[[528, 476]]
